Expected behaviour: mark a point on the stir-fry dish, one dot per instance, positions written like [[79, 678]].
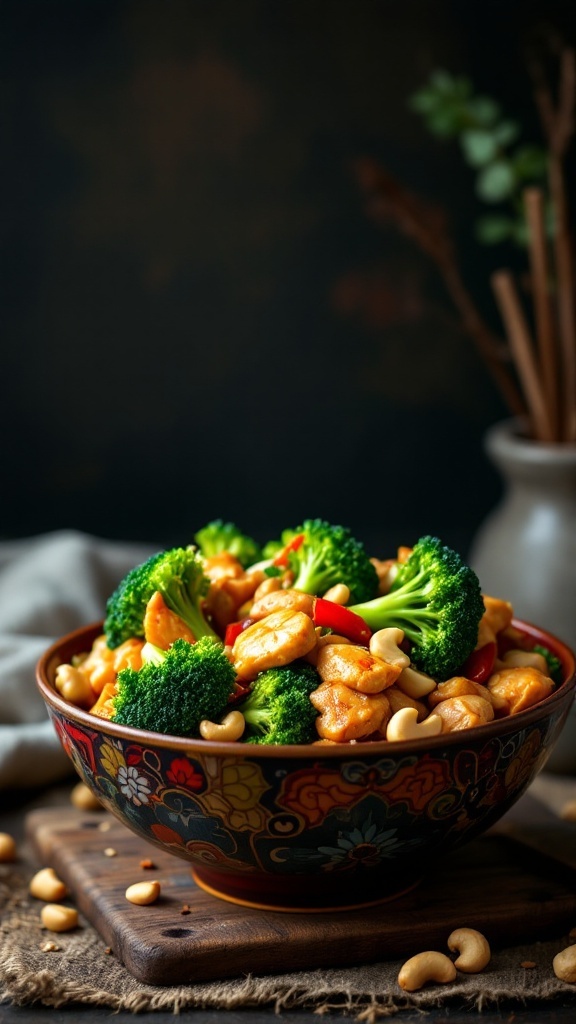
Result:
[[306, 640]]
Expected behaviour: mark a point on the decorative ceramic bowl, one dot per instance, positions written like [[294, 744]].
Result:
[[312, 827]]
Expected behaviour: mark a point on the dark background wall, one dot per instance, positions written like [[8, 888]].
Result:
[[199, 318]]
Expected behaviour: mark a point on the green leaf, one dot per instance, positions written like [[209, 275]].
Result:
[[423, 102], [506, 132], [521, 233], [530, 163], [483, 111], [445, 122], [462, 88], [442, 81], [494, 228], [496, 182], [479, 146]]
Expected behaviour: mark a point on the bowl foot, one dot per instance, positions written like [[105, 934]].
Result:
[[299, 894]]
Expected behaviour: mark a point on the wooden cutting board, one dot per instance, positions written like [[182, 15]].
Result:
[[510, 893]]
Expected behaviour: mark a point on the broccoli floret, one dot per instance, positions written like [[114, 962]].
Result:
[[272, 548], [175, 689], [278, 708], [328, 555], [178, 574], [277, 544], [436, 600], [553, 662], [218, 536], [270, 552]]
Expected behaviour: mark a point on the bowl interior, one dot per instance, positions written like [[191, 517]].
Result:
[[80, 640]]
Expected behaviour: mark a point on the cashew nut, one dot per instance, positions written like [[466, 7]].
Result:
[[229, 729], [516, 658], [84, 799], [74, 686], [473, 950], [7, 848], [45, 885], [564, 964], [415, 684], [143, 893], [385, 644], [339, 593], [424, 967], [568, 811], [57, 918], [404, 725]]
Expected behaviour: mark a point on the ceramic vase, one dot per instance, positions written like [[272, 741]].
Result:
[[525, 551]]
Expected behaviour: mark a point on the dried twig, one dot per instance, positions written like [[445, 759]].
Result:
[[557, 120], [523, 351], [545, 370], [544, 319], [426, 225]]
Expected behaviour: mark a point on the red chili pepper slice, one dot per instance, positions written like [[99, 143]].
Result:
[[341, 620], [480, 664], [292, 545], [233, 631]]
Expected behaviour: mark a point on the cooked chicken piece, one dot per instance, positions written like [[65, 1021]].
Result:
[[243, 588], [98, 665], [102, 664], [325, 639], [128, 655], [398, 700], [486, 634], [322, 639], [403, 553], [348, 715], [464, 712], [162, 626], [386, 570], [278, 639], [227, 595], [355, 667], [268, 586], [104, 707], [520, 687], [220, 608], [222, 566], [459, 686], [497, 613], [512, 637], [295, 600]]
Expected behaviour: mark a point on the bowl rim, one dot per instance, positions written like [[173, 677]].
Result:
[[352, 750]]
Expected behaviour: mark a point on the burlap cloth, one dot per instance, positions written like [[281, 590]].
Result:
[[81, 970]]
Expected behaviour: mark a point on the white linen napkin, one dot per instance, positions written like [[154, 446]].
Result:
[[49, 585]]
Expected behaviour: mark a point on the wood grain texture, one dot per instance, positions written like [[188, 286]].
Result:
[[509, 893]]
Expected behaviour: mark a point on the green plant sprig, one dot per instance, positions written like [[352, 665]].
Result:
[[491, 145]]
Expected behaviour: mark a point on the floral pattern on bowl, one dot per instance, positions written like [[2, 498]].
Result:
[[310, 827]]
